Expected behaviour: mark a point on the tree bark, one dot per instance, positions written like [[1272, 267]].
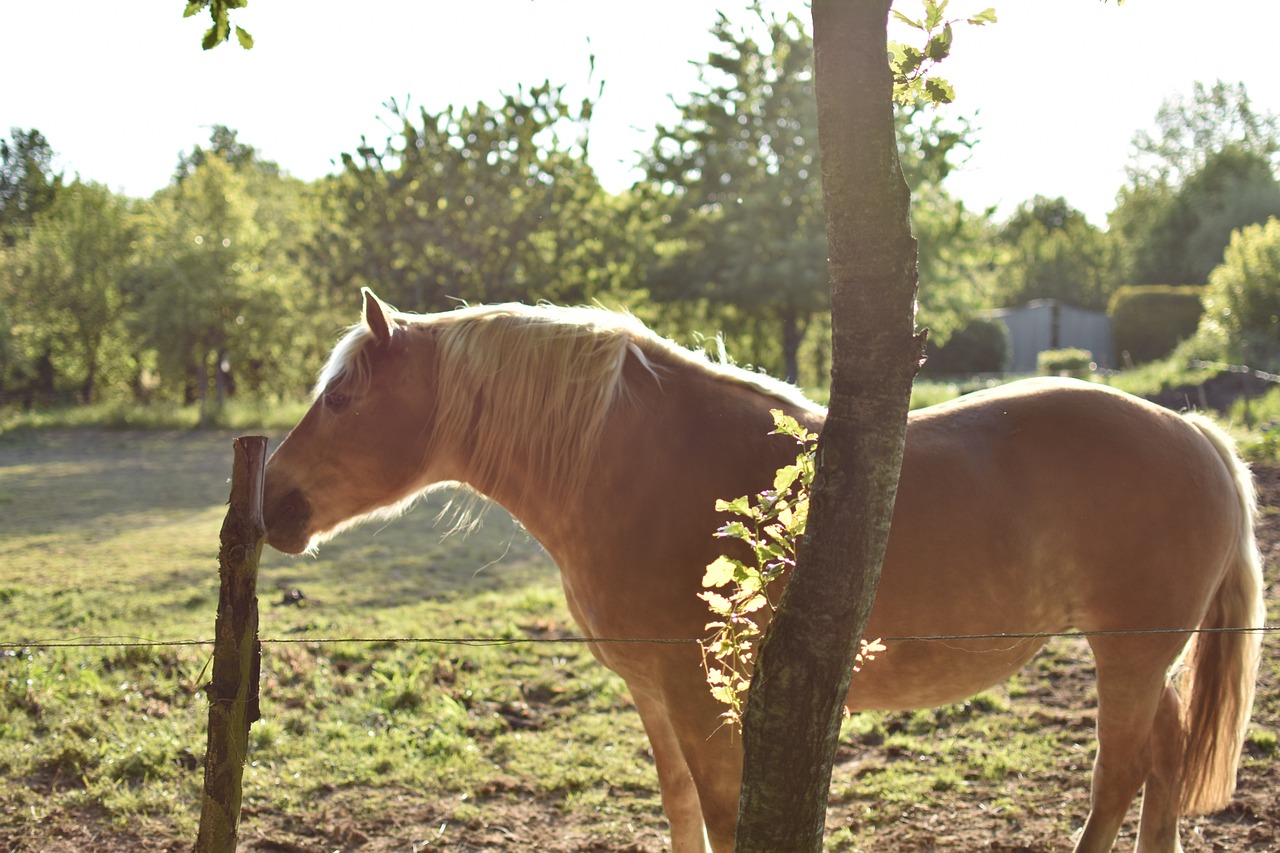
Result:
[[804, 664], [233, 693]]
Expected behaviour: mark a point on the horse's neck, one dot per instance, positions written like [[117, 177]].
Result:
[[669, 452]]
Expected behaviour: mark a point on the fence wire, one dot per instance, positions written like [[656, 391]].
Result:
[[139, 642]]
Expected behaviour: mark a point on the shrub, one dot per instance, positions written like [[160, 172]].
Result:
[[1065, 362], [1242, 301], [980, 346], [1148, 322]]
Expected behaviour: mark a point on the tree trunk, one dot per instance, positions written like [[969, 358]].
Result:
[[221, 377], [202, 389], [90, 387], [805, 662], [791, 334]]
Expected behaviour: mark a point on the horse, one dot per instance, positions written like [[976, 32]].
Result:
[[1029, 509]]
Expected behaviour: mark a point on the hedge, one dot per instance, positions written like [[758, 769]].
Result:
[[1148, 321]]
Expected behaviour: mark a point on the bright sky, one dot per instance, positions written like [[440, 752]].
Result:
[[1057, 88]]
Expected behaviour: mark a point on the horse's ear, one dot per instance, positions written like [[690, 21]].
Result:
[[377, 316]]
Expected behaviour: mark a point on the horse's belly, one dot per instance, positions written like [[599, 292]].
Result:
[[926, 673]]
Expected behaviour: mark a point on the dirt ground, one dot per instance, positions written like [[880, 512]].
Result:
[[961, 819]]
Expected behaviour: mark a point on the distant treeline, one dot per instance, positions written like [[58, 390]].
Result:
[[235, 279]]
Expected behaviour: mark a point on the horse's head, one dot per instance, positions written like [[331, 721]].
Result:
[[362, 446]]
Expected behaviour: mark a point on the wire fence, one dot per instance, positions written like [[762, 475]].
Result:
[[1237, 368], [139, 642]]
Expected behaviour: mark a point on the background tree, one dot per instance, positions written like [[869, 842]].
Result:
[[219, 294], [1241, 318], [225, 145], [739, 186], [27, 182], [958, 247], [1210, 170], [740, 173], [480, 204], [199, 248], [60, 287], [1178, 234], [1050, 251], [1189, 129]]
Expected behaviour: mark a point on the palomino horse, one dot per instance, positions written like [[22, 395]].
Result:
[[1029, 509]]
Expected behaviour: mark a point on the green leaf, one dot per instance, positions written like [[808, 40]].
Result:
[[799, 518], [785, 516], [939, 91], [193, 8], [719, 605], [912, 59], [735, 530], [785, 477], [787, 425], [939, 46], [986, 16], [738, 506], [210, 40], [719, 572], [246, 40], [901, 17], [934, 12]]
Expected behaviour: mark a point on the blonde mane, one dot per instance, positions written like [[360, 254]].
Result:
[[536, 382]]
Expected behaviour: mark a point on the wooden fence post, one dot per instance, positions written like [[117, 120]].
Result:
[[233, 693]]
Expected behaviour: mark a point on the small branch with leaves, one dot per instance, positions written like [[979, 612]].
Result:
[[220, 14], [771, 526], [913, 80]]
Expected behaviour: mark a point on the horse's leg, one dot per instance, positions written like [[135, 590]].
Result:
[[1130, 687], [716, 764], [679, 794], [1161, 796]]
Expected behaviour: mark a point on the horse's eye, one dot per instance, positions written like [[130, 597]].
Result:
[[336, 402]]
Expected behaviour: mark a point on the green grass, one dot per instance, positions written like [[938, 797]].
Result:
[[114, 535], [235, 415], [1157, 376]]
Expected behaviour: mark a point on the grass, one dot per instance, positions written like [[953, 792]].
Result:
[[238, 415], [1157, 376], [114, 535]]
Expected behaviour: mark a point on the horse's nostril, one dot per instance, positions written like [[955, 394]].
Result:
[[287, 520]]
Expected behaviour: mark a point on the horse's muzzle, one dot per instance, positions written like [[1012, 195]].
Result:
[[288, 518]]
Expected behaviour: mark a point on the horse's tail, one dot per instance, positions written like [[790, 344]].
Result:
[[1221, 665]]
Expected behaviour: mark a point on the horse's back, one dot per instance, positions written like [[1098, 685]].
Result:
[[1040, 506], [1073, 475], [1063, 436]]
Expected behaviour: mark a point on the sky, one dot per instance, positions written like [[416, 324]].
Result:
[[1055, 90]]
